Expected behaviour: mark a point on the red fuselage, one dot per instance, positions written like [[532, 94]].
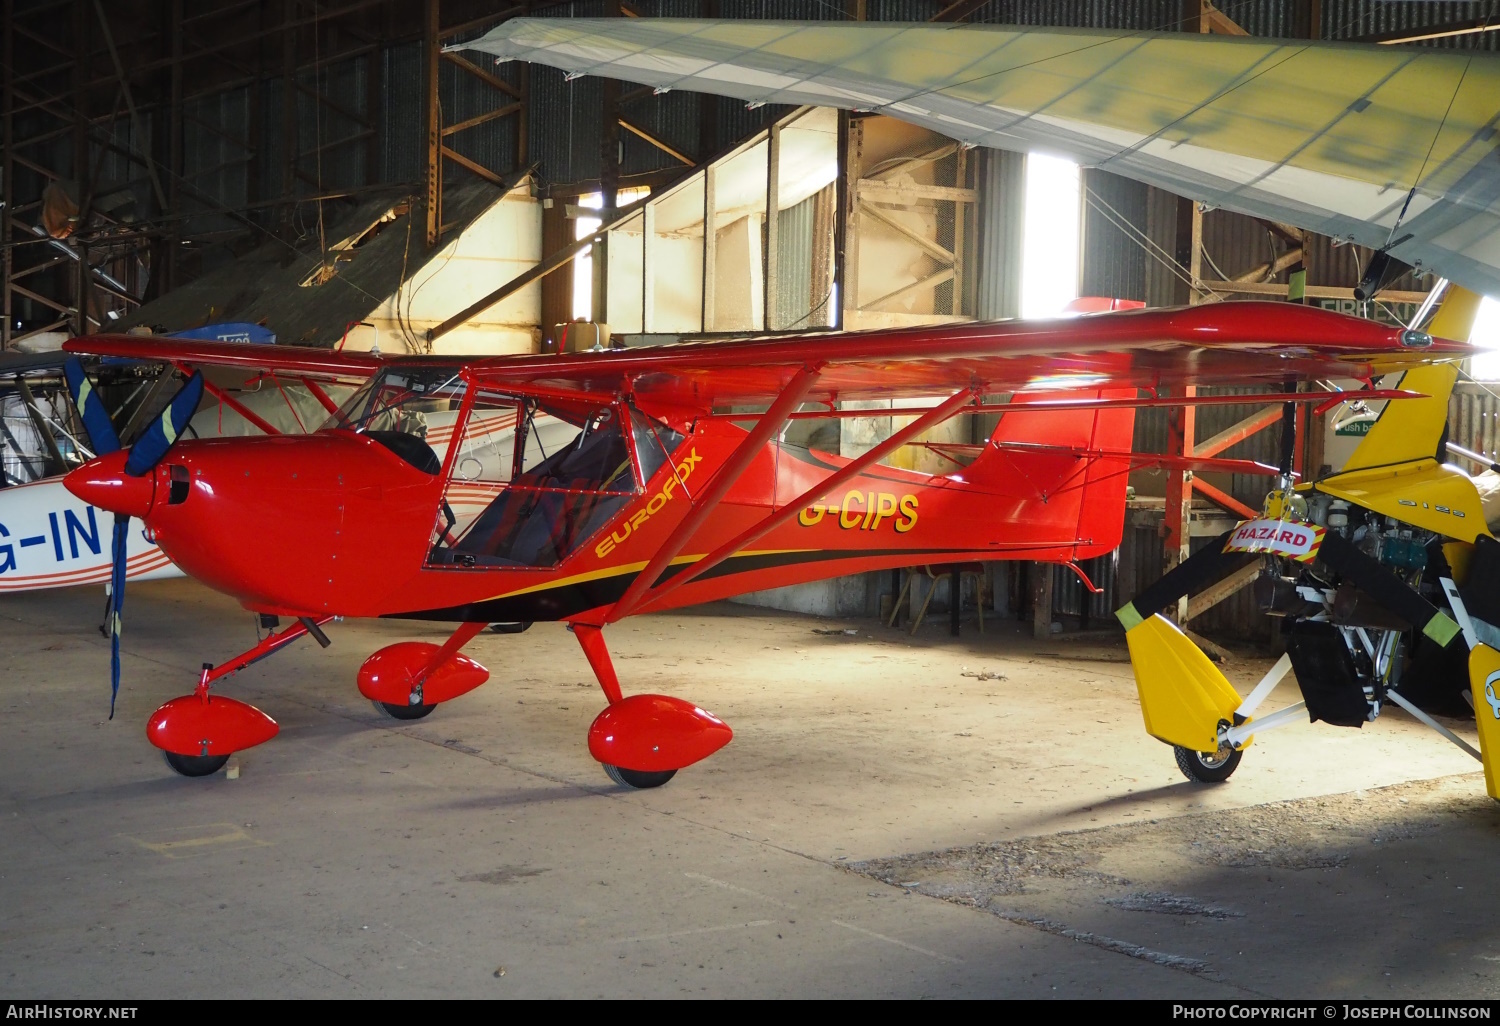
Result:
[[335, 523]]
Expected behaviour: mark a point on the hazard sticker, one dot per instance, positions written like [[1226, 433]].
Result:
[[1277, 537]]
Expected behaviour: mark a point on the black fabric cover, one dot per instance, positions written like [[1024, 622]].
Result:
[[1481, 588], [410, 448], [1203, 569], [1325, 673], [1437, 678], [1368, 575]]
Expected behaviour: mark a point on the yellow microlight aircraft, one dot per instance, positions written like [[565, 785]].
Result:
[[1386, 575]]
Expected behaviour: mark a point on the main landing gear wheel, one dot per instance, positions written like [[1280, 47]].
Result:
[[519, 627], [195, 765], [639, 779], [1207, 767], [403, 712]]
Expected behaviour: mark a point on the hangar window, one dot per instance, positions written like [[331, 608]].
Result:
[[1050, 235], [1486, 336], [618, 249]]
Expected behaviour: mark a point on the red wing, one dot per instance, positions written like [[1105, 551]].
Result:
[[1197, 464], [1218, 344], [292, 359]]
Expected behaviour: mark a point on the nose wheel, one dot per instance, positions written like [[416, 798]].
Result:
[[638, 779], [403, 712], [1207, 767], [195, 765]]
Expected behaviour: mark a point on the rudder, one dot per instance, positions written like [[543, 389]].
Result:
[[1058, 452]]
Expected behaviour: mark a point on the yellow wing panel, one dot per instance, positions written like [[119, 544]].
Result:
[[1425, 493]]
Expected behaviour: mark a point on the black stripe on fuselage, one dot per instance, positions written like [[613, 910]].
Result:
[[565, 600]]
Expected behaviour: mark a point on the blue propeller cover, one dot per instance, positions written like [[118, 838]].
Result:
[[163, 433], [116, 603], [91, 408]]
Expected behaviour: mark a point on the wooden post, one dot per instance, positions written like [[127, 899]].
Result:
[[710, 244], [960, 213], [433, 46], [846, 230], [7, 166], [1177, 521], [290, 141], [955, 599], [771, 270], [1041, 600]]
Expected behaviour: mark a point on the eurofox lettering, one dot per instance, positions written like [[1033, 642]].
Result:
[[654, 505]]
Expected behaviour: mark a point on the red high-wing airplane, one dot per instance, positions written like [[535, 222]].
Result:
[[593, 486]]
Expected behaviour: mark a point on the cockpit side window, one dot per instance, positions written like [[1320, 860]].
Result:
[[570, 473], [410, 411], [654, 442]]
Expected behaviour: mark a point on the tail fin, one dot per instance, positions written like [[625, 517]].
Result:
[[1411, 428], [1050, 453]]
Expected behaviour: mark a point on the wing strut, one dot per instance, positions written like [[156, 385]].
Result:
[[239, 407], [750, 536], [770, 422]]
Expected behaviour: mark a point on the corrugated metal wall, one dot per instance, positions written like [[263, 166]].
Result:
[[1351, 19], [1001, 184], [1472, 413], [1112, 259], [1071, 597], [1121, 14]]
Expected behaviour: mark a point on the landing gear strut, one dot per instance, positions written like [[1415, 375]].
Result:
[[407, 680], [642, 741], [198, 733]]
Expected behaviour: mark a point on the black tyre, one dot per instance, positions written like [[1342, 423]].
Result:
[[1207, 767], [639, 779], [403, 712], [520, 627], [195, 765]]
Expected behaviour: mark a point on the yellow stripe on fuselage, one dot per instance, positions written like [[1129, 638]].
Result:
[[628, 568]]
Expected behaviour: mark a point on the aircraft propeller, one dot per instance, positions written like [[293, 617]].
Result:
[[149, 449]]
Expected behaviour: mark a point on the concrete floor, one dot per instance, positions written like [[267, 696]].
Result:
[[882, 825]]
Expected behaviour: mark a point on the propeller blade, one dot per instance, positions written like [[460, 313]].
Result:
[[90, 408], [116, 603], [163, 433]]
